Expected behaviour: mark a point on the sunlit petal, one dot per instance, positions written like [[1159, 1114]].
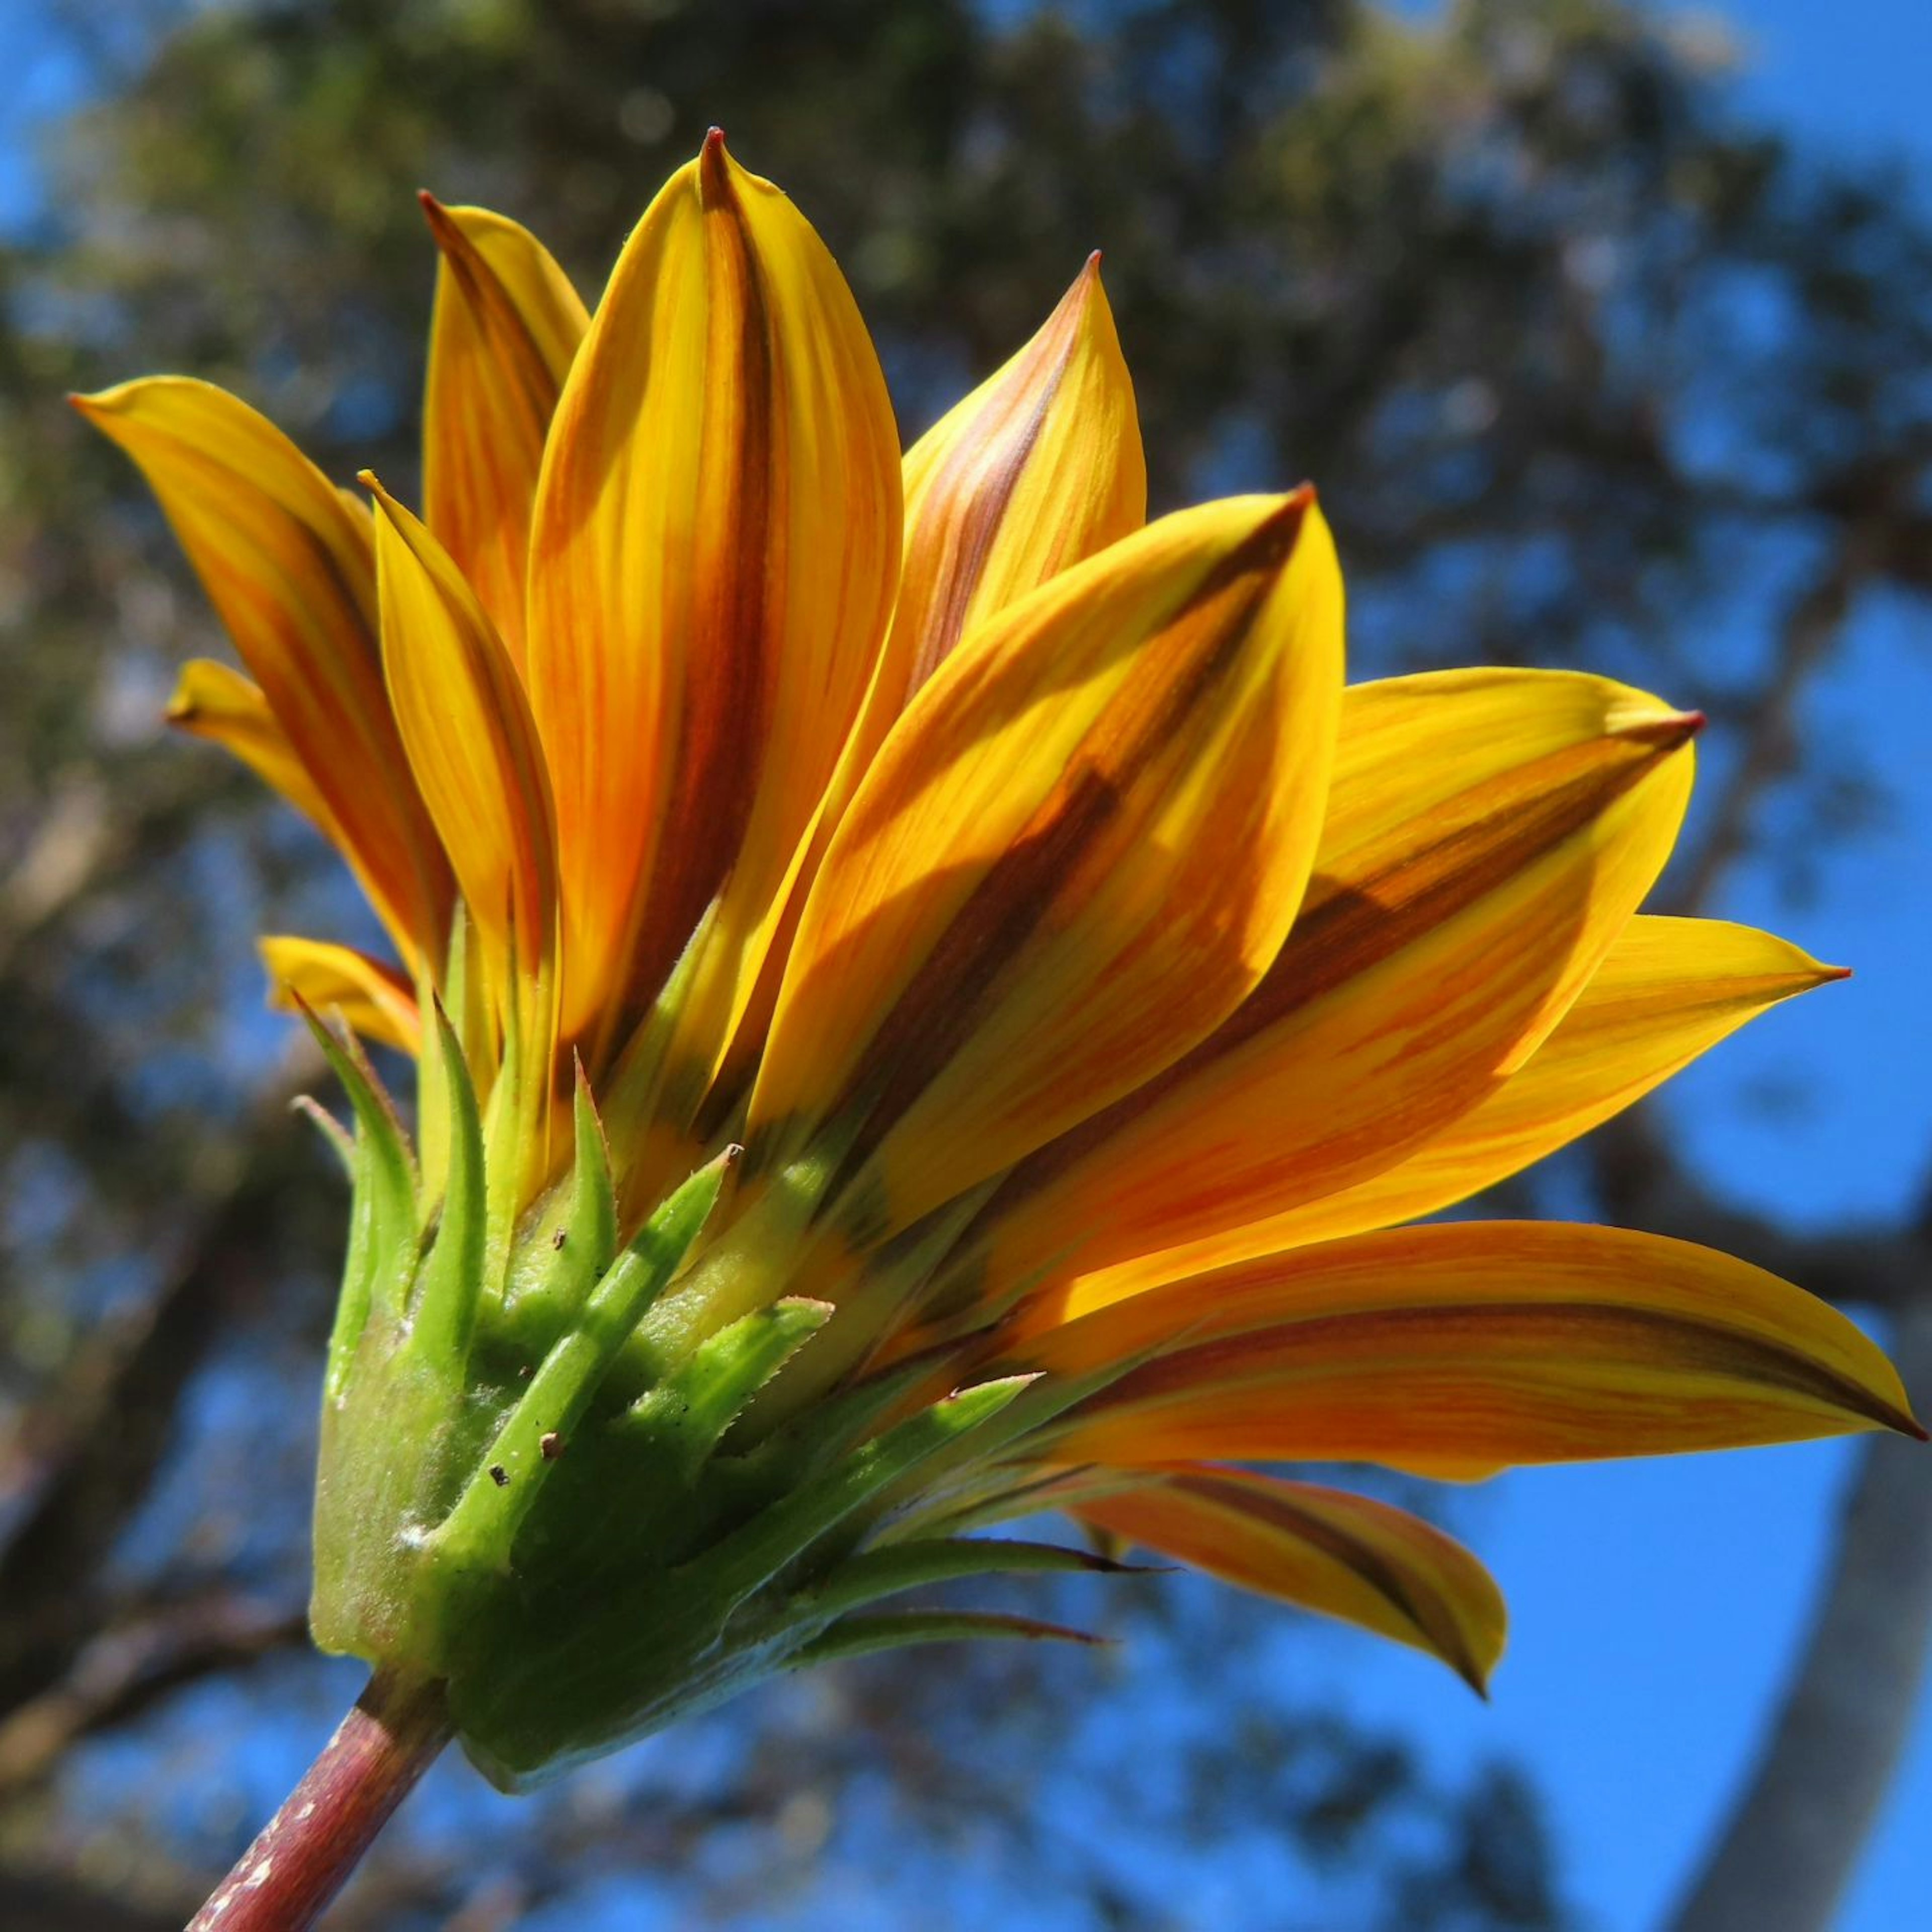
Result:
[[1039, 467], [1459, 1348], [1668, 989], [1077, 853], [714, 549], [1488, 835], [290, 570], [1324, 1549], [473, 747], [212, 701], [506, 329], [374, 998]]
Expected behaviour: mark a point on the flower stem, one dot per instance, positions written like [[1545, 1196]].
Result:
[[302, 1856]]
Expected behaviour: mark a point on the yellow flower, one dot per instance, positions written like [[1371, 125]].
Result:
[[1091, 983]]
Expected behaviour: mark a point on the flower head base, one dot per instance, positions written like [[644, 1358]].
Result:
[[932, 1002]]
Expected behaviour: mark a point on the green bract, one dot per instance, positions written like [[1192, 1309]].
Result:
[[563, 1531]]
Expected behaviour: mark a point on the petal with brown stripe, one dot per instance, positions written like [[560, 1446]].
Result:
[[211, 701], [372, 997], [1460, 1347], [471, 741], [1488, 833], [1322, 1550], [288, 568], [505, 329], [1668, 989], [1036, 469], [714, 548], [1077, 852]]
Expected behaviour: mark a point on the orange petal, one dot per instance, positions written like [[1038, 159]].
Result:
[[1076, 854], [1035, 471], [506, 328], [715, 544], [1459, 1348], [1489, 834], [1668, 989], [288, 569], [372, 997], [1341, 1555], [468, 731], [211, 701]]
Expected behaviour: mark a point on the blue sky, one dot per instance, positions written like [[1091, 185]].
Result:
[[1657, 1607]]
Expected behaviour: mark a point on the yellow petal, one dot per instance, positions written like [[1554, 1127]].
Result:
[[1076, 854], [715, 544], [506, 328], [1459, 1348], [374, 998], [211, 701], [1488, 833], [1668, 989], [1038, 468], [288, 569], [1342, 1555], [467, 729]]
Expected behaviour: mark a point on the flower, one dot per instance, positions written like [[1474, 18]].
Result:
[[933, 1003]]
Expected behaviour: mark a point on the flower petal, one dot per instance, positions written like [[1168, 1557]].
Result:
[[211, 701], [1339, 1555], [372, 997], [506, 328], [288, 568], [1459, 1348], [1038, 469], [1489, 834], [715, 543], [1668, 989], [1035, 471], [472, 743], [1076, 853]]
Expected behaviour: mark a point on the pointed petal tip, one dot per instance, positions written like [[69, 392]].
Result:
[[442, 225], [715, 167], [92, 405], [1658, 725]]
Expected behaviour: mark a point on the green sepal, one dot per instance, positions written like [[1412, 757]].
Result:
[[382, 1221], [341, 1141], [865, 1636], [684, 1416], [511, 1472], [576, 1655], [443, 1316], [746, 1560], [573, 1244], [892, 1568]]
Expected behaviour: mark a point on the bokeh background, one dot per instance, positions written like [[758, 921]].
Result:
[[1606, 330]]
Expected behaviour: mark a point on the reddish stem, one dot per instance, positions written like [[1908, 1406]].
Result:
[[302, 1856]]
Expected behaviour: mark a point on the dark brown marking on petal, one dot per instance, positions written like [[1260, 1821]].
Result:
[[962, 975], [1559, 1332], [1485, 838], [726, 652], [1425, 1610], [948, 552], [498, 318]]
